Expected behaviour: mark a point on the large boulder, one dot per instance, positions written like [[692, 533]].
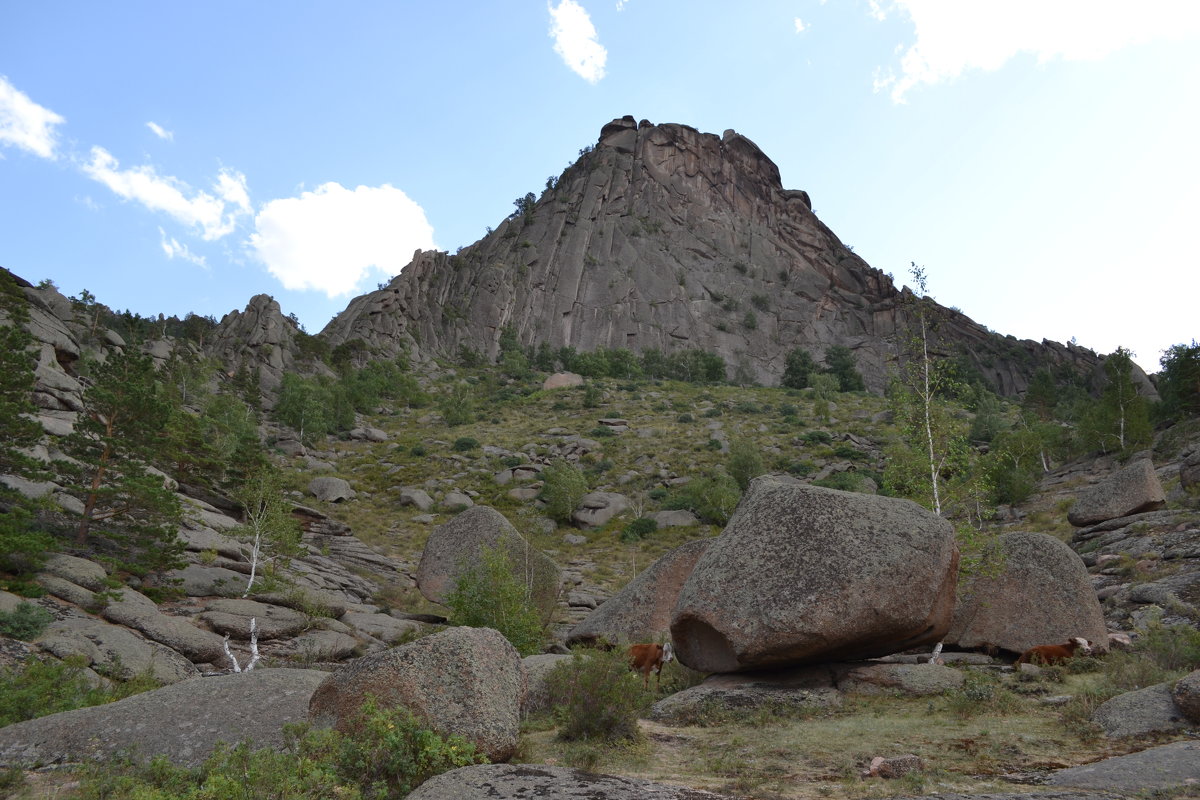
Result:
[[330, 489], [1037, 591], [641, 612], [465, 681], [1167, 768], [537, 671], [1131, 490], [1140, 713], [460, 542], [804, 574], [513, 781], [183, 721], [597, 508]]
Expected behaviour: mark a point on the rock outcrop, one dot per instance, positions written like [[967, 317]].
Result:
[[804, 574], [665, 237], [514, 781], [183, 721], [1041, 594]]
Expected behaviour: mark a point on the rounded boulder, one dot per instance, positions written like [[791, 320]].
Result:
[[803, 574], [465, 681], [1036, 591]]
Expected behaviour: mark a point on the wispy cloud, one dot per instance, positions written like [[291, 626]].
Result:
[[576, 40], [161, 132], [215, 215], [174, 249], [953, 36], [800, 26], [26, 125], [331, 238]]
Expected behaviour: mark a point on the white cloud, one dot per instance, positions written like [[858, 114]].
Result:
[[214, 216], [25, 124], [800, 26], [576, 41], [953, 36], [331, 238], [174, 249], [161, 132]]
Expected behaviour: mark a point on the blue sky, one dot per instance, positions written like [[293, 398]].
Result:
[[1038, 158]]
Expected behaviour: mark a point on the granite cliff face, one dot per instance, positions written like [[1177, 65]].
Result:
[[665, 237]]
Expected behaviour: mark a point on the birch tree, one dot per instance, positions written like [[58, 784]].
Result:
[[269, 527]]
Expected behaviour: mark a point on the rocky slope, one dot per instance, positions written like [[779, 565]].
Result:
[[665, 237]]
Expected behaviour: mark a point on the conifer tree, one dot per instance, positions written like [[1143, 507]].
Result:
[[120, 431]]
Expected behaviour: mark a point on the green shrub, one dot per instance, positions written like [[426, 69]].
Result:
[[562, 488], [639, 529], [1171, 647], [849, 452], [712, 412], [418, 450], [745, 463], [657, 493], [592, 396], [37, 688], [25, 622], [713, 444], [685, 418], [602, 432], [711, 499], [487, 594], [788, 410], [457, 407], [844, 481], [818, 437], [512, 461], [801, 468], [597, 697], [464, 443]]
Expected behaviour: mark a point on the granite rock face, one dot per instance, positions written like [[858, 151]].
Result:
[[1132, 490], [665, 237]]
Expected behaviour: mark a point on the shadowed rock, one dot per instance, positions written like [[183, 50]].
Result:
[[804, 574], [1036, 591]]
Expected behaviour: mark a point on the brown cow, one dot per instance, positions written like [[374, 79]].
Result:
[[647, 658], [1055, 653]]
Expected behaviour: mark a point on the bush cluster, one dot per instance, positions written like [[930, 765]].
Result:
[[597, 697], [488, 594]]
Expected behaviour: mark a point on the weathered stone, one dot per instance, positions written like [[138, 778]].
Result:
[[1186, 695], [805, 574], [1043, 594], [1165, 768], [724, 696], [597, 508], [562, 380], [520, 781], [87, 574], [1132, 490], [183, 721], [114, 650], [271, 622], [908, 679], [457, 500], [195, 580], [384, 627], [465, 681], [412, 496], [1138, 713], [458, 543], [330, 489], [139, 612], [675, 519], [641, 612]]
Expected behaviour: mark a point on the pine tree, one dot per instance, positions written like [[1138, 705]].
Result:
[[120, 431]]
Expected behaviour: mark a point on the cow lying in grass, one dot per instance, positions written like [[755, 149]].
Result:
[[1055, 653]]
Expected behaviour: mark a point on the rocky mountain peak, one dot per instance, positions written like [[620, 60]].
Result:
[[661, 236]]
